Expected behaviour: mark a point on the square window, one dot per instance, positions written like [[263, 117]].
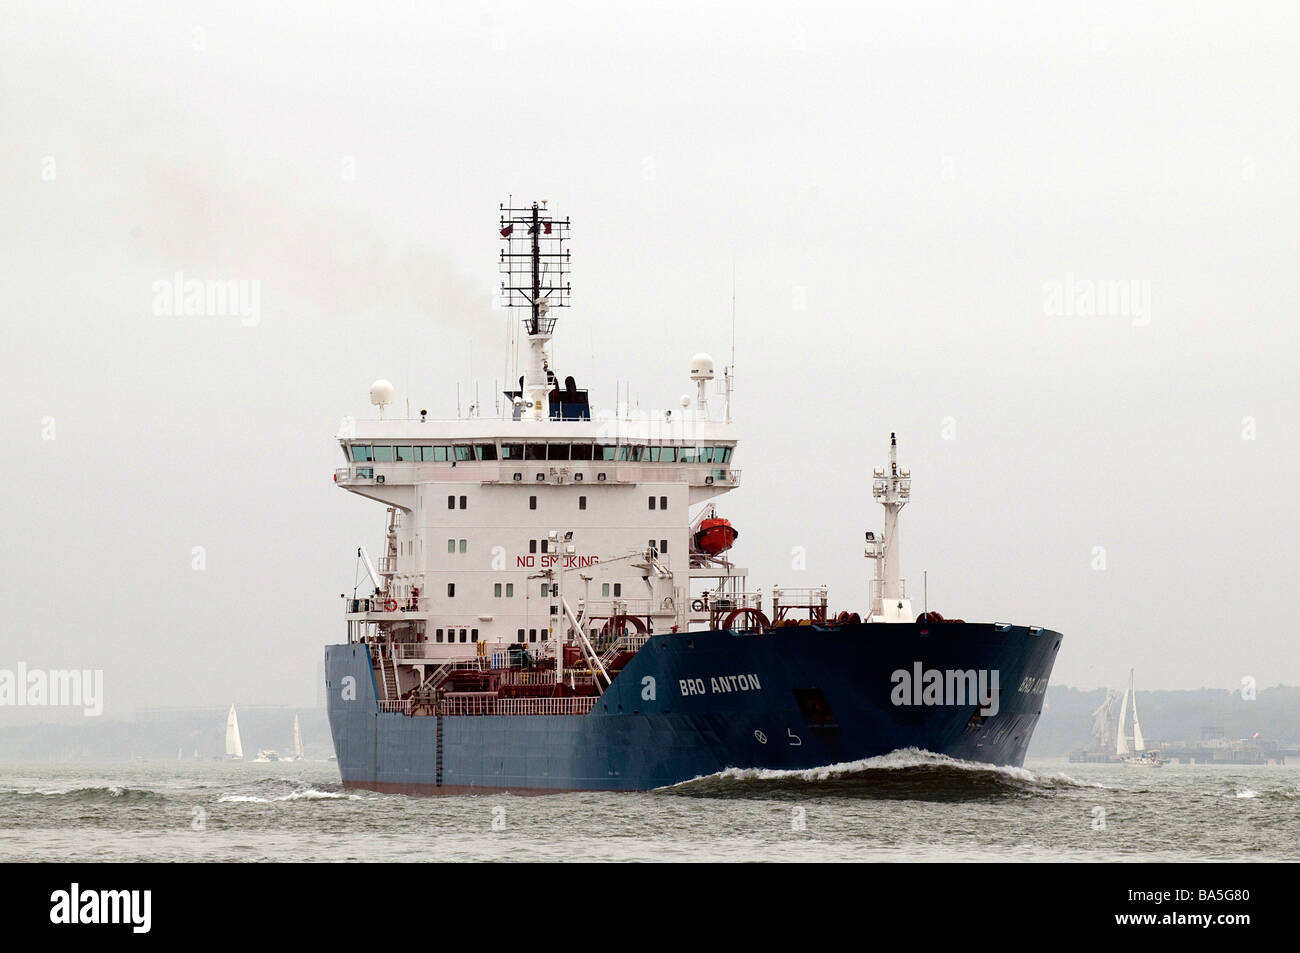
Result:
[[365, 473], [462, 635], [604, 589], [545, 589], [545, 544], [463, 543], [473, 635], [496, 590], [451, 590], [582, 502], [618, 589], [532, 545], [532, 502], [462, 502], [451, 545], [438, 636], [532, 635], [663, 545], [663, 502], [520, 636], [652, 502], [451, 502], [510, 589]]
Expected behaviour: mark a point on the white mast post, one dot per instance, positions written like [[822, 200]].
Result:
[[893, 490]]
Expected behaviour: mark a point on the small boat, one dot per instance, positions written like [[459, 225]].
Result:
[[1138, 756], [297, 741], [265, 755], [234, 746]]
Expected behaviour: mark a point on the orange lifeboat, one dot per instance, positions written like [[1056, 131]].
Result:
[[715, 536]]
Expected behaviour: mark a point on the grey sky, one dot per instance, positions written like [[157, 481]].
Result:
[[897, 188]]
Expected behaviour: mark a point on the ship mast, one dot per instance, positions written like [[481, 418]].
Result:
[[534, 267], [893, 490]]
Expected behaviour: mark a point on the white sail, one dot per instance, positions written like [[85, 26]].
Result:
[[234, 747], [1138, 743], [297, 740], [1121, 743]]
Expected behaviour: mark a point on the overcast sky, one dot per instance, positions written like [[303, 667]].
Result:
[[908, 195]]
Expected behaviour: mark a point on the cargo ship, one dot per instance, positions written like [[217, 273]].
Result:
[[556, 605]]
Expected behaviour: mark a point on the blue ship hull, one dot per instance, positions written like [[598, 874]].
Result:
[[693, 704]]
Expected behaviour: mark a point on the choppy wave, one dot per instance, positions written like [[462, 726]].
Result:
[[905, 773], [304, 794], [109, 793]]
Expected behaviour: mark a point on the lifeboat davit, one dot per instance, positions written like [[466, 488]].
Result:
[[715, 536]]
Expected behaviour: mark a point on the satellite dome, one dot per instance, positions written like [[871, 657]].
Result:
[[381, 393], [701, 367]]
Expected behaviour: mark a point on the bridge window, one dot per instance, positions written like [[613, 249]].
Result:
[[687, 455], [534, 451], [606, 452], [383, 454], [361, 454], [726, 454], [423, 454], [706, 455], [485, 451], [464, 453], [512, 451], [582, 451], [441, 454], [405, 454], [668, 454], [557, 451]]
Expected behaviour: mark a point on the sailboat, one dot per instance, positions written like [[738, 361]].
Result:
[[1138, 755], [234, 747], [297, 740]]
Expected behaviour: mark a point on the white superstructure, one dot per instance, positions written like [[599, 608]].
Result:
[[552, 524]]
